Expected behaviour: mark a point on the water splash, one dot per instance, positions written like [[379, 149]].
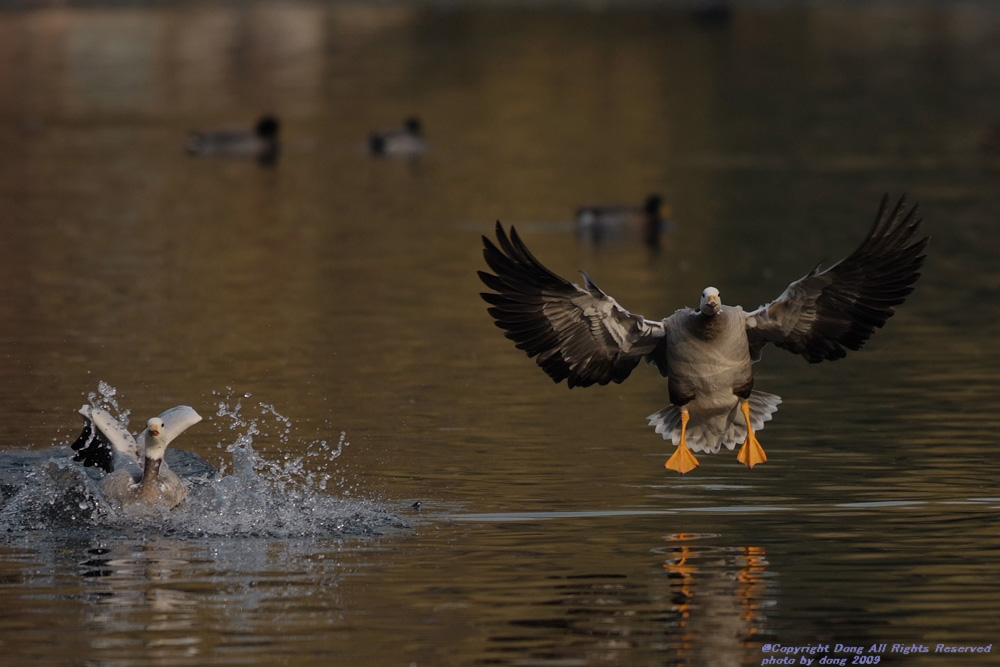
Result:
[[294, 470], [275, 495], [105, 398]]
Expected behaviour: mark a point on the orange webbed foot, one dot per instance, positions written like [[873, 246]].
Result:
[[751, 453], [683, 460]]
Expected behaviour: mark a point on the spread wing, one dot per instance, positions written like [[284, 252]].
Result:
[[579, 335], [826, 311], [106, 444], [176, 420], [103, 440]]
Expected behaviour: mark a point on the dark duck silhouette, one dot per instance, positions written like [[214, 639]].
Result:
[[598, 224], [406, 142], [261, 143]]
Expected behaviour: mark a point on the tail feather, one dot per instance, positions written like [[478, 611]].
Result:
[[709, 435]]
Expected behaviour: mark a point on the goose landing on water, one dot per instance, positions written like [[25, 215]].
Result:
[[136, 471], [583, 336]]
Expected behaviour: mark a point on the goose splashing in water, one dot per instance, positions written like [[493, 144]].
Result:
[[134, 467], [272, 480]]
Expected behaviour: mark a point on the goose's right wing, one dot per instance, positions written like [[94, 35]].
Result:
[[102, 440], [579, 335]]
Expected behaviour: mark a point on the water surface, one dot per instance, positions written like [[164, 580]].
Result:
[[335, 293]]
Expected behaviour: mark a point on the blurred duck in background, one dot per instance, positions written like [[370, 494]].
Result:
[[406, 142], [600, 224], [261, 143]]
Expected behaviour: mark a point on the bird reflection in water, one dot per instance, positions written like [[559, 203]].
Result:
[[717, 596], [133, 585]]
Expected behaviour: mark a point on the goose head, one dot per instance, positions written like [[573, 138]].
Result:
[[156, 440], [711, 303]]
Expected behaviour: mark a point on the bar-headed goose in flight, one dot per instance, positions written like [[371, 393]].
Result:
[[136, 471], [583, 336]]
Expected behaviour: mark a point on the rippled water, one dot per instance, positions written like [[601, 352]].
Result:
[[380, 477]]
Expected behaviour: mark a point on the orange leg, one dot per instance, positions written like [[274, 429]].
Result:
[[683, 460], [751, 453]]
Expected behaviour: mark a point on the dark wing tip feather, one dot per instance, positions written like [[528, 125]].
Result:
[[846, 303], [93, 448], [516, 300], [877, 276]]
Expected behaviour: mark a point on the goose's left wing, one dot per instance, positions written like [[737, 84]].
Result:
[[579, 335], [176, 420], [826, 311]]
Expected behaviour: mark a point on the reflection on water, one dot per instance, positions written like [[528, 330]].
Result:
[[717, 593], [154, 596], [339, 291]]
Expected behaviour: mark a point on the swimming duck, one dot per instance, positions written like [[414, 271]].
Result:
[[260, 144], [407, 141], [136, 471], [585, 337], [597, 224]]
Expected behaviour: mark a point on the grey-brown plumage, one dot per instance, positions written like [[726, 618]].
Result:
[[585, 337]]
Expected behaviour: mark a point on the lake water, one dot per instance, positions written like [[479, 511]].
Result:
[[323, 316]]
